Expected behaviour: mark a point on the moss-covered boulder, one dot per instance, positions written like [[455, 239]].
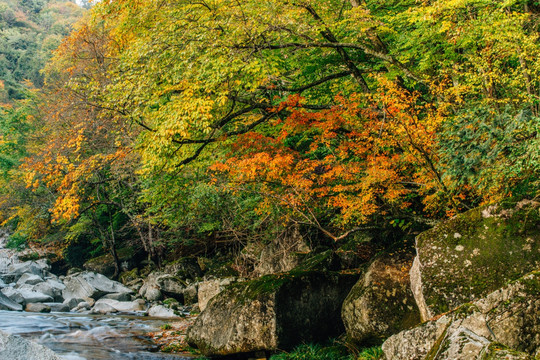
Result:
[[503, 325], [473, 254], [104, 264], [272, 312], [381, 303]]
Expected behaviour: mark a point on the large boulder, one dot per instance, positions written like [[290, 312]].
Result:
[[381, 303], [508, 318], [473, 254], [272, 312], [16, 348], [52, 288], [184, 268], [29, 279], [26, 295], [8, 304], [209, 288], [158, 284], [15, 271], [91, 285]]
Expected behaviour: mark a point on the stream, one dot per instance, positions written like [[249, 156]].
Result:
[[88, 337], [76, 336]]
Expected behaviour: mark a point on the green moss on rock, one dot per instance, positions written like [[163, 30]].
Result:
[[477, 252]]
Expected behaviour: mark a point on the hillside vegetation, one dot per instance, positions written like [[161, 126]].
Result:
[[181, 127]]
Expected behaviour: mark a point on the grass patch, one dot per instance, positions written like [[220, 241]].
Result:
[[332, 352]]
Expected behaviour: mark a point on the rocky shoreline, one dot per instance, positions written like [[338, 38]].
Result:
[[468, 289]]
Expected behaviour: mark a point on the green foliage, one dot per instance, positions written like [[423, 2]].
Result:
[[29, 31], [16, 241]]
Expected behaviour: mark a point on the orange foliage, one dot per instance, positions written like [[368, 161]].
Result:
[[364, 156]]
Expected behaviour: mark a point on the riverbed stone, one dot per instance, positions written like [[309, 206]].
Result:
[[272, 312], [91, 285], [26, 295], [118, 296], [467, 257], [57, 307], [15, 271], [104, 306], [8, 304], [157, 284], [508, 317], [381, 303], [29, 279], [16, 348], [72, 302], [38, 308], [161, 311]]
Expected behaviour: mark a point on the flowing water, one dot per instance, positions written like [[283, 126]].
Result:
[[83, 337], [88, 337]]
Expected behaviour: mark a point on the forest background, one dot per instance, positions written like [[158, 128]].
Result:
[[182, 128]]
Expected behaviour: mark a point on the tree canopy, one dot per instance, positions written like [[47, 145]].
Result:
[[208, 120]]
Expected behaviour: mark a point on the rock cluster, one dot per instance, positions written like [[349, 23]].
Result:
[[504, 323], [32, 287]]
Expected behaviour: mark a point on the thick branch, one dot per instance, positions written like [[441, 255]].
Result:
[[337, 45], [309, 86]]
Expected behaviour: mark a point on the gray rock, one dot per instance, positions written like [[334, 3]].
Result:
[[509, 316], [273, 312], [29, 279], [184, 268], [280, 255], [16, 348], [58, 307], [381, 303], [161, 311], [91, 285], [191, 294], [210, 288], [36, 307], [118, 296], [157, 283], [103, 306], [2, 284], [8, 304], [465, 258], [83, 306], [72, 303], [15, 271], [26, 295]]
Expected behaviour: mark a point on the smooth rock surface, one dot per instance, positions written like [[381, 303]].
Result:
[[37, 307], [161, 311], [8, 304], [91, 285], [29, 279], [104, 305]]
